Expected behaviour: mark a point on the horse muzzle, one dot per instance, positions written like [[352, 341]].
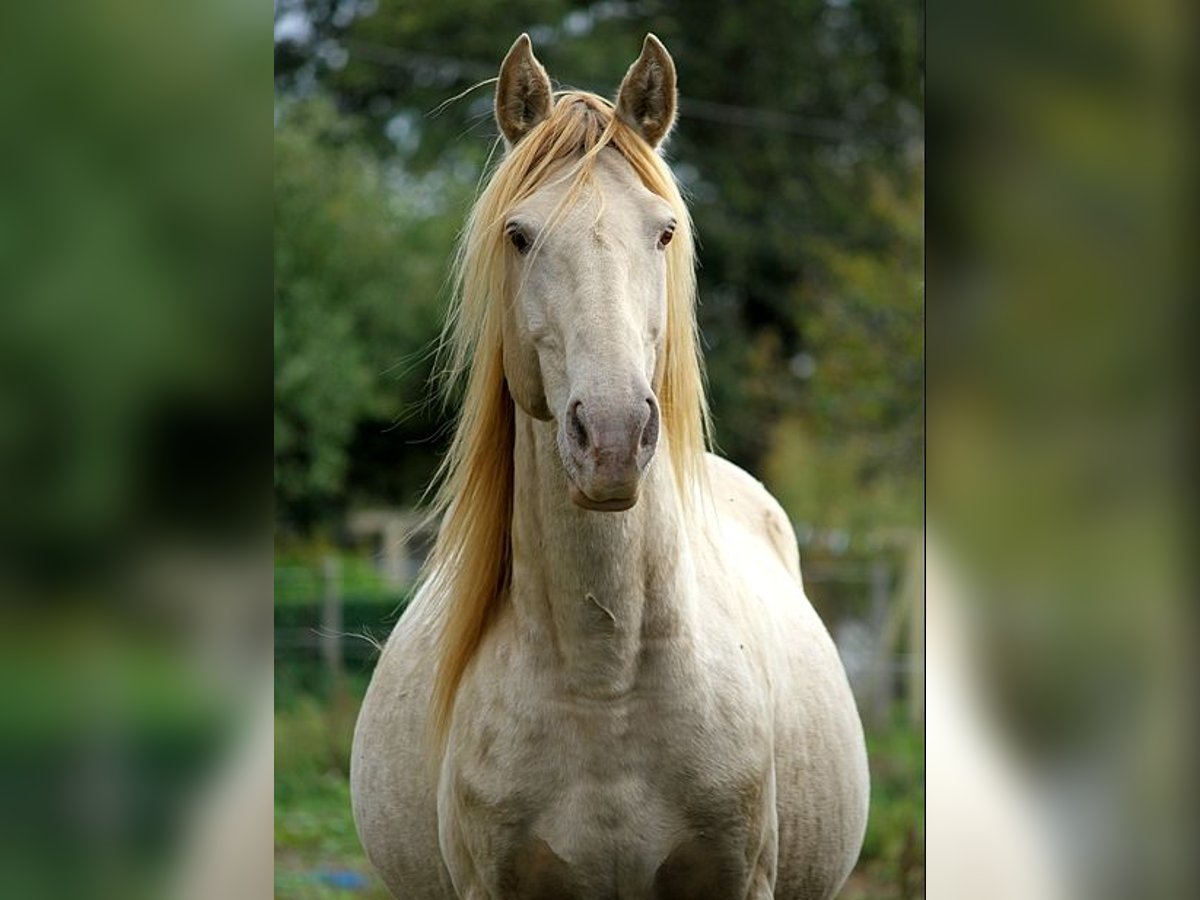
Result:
[[605, 448]]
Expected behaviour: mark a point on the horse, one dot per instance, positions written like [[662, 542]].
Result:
[[610, 683]]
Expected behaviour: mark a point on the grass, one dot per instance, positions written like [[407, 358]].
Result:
[[315, 836], [892, 863], [299, 579], [314, 828]]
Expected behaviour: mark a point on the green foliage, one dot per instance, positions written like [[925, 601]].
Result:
[[134, 296], [358, 269], [798, 132], [314, 827], [893, 855], [299, 581], [799, 143], [864, 326], [854, 459], [821, 481]]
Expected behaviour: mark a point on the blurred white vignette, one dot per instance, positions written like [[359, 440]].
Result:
[[1061, 627], [135, 727], [135, 543]]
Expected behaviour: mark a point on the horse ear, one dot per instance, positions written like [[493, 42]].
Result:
[[646, 100], [523, 94]]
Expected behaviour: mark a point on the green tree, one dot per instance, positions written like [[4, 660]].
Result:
[[853, 456], [797, 121], [358, 269]]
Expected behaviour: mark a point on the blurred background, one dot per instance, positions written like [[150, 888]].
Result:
[[135, 498], [800, 147], [1061, 451]]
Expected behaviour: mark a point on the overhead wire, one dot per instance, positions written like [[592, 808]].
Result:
[[689, 107]]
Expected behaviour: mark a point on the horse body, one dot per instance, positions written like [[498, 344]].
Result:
[[636, 710], [652, 709]]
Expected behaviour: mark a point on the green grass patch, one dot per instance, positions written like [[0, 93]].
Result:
[[892, 863], [300, 579], [314, 825]]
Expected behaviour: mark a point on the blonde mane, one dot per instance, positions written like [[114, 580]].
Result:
[[468, 573]]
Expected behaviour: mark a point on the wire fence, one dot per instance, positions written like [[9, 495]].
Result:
[[332, 616]]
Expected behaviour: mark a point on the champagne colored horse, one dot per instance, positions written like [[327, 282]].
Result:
[[610, 684]]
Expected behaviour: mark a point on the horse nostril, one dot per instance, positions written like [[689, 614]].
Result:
[[650, 429], [578, 431]]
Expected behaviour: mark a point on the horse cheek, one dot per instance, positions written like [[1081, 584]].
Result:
[[523, 372]]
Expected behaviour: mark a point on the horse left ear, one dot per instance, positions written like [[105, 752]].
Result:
[[646, 100], [523, 92]]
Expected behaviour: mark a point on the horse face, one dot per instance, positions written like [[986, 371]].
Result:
[[584, 338]]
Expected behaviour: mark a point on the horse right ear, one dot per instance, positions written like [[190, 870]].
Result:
[[523, 94]]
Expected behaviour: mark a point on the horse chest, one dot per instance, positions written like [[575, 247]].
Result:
[[581, 800]]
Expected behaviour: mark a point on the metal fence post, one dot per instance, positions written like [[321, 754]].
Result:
[[916, 592], [881, 670], [331, 617]]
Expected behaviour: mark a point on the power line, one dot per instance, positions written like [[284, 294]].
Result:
[[460, 70], [777, 120]]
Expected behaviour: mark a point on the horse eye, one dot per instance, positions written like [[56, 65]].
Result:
[[665, 237], [520, 240]]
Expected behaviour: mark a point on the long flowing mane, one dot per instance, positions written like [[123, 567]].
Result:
[[467, 576]]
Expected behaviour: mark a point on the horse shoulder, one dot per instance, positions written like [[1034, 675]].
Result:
[[822, 779], [740, 496]]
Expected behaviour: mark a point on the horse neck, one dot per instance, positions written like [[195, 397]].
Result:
[[594, 592]]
